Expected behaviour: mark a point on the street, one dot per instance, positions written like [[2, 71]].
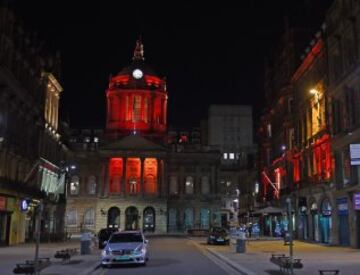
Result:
[[172, 256]]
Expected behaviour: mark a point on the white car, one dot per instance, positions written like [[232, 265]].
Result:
[[126, 247]]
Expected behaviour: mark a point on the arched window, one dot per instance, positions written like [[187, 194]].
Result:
[[189, 185], [71, 217], [173, 185], [74, 185], [91, 185], [89, 217], [205, 187], [136, 108], [149, 219], [114, 217]]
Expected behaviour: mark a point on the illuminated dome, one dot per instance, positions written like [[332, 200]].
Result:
[[136, 99]]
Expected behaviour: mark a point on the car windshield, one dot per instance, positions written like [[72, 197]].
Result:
[[126, 238], [219, 230]]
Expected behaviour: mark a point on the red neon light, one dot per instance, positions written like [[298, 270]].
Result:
[[309, 59]]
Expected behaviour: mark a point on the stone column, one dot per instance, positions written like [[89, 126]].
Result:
[[123, 183], [142, 160]]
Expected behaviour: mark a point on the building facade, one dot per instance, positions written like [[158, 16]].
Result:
[[316, 162], [133, 177], [230, 127], [30, 144]]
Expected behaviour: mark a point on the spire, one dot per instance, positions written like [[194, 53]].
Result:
[[139, 50]]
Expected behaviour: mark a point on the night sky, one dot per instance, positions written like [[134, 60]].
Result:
[[210, 53]]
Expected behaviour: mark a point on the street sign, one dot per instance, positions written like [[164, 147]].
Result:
[[356, 200], [355, 154]]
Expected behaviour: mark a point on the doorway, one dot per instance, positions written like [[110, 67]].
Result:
[[114, 217], [131, 218], [149, 219], [5, 219]]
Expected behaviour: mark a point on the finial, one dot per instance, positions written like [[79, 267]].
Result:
[[139, 50]]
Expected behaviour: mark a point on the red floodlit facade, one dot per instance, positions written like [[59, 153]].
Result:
[[296, 146], [136, 100]]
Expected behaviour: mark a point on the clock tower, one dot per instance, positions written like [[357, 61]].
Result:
[[136, 100]]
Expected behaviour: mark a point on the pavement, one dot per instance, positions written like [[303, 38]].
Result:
[[315, 257], [78, 264]]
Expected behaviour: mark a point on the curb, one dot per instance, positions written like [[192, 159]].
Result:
[[90, 270], [242, 270], [231, 263]]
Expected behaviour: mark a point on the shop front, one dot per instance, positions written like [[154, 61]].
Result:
[[356, 207], [343, 221], [5, 221], [325, 221]]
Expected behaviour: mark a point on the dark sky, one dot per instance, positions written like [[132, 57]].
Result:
[[211, 53]]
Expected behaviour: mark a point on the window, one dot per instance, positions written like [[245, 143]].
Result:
[[225, 155], [91, 185], [189, 185], [231, 156], [71, 217], [74, 185], [137, 108], [89, 217], [269, 130], [205, 187], [173, 190], [146, 108]]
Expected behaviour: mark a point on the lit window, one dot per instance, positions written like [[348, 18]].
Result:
[[89, 217], [189, 185], [74, 185], [173, 185], [225, 156], [228, 183], [87, 139], [96, 139], [71, 217], [137, 108], [92, 185], [231, 156], [269, 130]]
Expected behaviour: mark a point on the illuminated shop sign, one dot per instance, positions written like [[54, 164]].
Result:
[[356, 201], [24, 205], [355, 154], [342, 206]]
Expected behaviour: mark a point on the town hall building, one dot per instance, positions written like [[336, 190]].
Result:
[[129, 176]]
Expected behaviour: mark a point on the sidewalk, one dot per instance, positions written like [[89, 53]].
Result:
[[79, 264], [256, 260]]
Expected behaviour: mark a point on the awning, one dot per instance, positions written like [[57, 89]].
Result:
[[270, 210]]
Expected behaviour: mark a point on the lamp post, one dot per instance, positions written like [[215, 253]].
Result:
[[39, 211], [288, 200]]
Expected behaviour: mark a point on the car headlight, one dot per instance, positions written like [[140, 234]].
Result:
[[139, 250], [106, 252]]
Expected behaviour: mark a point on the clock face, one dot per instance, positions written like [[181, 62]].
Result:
[[137, 74]]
